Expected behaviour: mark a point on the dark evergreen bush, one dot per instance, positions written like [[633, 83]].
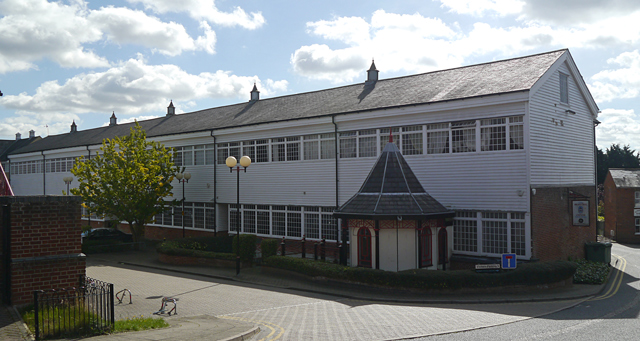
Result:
[[269, 247]]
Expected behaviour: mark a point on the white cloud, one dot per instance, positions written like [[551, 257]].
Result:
[[619, 127], [622, 82], [130, 88], [31, 30], [414, 43], [206, 10], [34, 29], [479, 7], [125, 26], [574, 12], [399, 42]]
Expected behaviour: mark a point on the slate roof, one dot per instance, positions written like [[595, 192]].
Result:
[[9, 146], [625, 177], [499, 77], [392, 190]]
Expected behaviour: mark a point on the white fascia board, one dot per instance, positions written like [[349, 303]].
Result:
[[582, 86], [575, 74], [294, 123], [176, 137], [489, 100], [17, 157], [65, 150]]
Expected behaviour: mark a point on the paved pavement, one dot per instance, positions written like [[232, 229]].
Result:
[[198, 320]]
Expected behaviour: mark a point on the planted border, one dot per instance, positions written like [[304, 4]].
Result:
[[529, 274]]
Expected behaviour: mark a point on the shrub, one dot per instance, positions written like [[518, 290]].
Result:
[[591, 272], [247, 247], [181, 248], [525, 274], [269, 248]]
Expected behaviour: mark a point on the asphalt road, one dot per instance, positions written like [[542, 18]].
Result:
[[614, 315], [293, 315]]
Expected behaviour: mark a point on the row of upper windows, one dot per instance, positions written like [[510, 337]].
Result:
[[505, 133], [59, 165]]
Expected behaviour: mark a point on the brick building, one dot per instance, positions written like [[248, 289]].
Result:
[[622, 205]]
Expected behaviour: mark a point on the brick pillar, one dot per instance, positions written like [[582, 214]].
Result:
[[45, 248]]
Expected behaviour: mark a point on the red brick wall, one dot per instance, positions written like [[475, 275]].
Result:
[[45, 244], [619, 205], [553, 236], [610, 202]]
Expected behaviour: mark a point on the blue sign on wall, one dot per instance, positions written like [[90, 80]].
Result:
[[509, 261]]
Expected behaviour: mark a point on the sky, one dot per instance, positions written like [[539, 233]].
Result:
[[75, 60]]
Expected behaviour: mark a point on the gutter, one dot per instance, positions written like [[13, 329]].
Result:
[[215, 185], [335, 130], [44, 174]]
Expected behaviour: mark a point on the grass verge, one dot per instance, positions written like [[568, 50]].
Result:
[[135, 324]]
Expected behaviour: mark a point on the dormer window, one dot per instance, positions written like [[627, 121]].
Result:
[[564, 88]]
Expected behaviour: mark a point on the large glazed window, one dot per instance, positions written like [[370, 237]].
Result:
[[490, 233]]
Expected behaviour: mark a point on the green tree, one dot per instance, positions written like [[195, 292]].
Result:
[[128, 179], [616, 157]]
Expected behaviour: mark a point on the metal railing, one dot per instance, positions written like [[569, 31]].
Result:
[[81, 311]]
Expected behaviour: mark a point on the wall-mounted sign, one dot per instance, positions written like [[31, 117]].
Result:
[[581, 213]]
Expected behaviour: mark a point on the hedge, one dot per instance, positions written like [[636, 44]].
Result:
[[211, 247], [525, 274], [269, 247]]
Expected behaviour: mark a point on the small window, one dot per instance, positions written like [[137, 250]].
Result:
[[564, 88], [638, 199], [637, 225]]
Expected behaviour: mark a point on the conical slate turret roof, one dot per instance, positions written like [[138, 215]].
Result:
[[392, 190]]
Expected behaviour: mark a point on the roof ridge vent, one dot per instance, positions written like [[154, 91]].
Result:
[[171, 110], [372, 73], [74, 127], [32, 133], [18, 136], [113, 120], [255, 94]]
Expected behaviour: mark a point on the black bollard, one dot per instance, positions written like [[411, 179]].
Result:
[[322, 249], [304, 251]]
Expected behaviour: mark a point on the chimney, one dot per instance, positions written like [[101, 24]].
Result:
[[32, 133], [74, 127], [171, 110], [113, 120], [255, 94], [18, 136], [372, 73]]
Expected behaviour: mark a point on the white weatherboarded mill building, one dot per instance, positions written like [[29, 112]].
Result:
[[505, 145]]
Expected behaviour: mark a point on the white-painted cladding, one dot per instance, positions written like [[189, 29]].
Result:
[[561, 154]]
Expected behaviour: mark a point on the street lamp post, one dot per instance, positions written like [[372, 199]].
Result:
[[67, 180], [231, 162], [183, 177]]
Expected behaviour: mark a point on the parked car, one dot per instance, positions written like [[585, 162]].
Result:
[[106, 234]]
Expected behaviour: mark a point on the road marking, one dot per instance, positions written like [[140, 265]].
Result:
[[271, 326], [617, 281]]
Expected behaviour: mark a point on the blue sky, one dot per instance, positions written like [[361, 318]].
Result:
[[82, 60]]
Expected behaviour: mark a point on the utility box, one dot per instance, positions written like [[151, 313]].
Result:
[[598, 252]]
